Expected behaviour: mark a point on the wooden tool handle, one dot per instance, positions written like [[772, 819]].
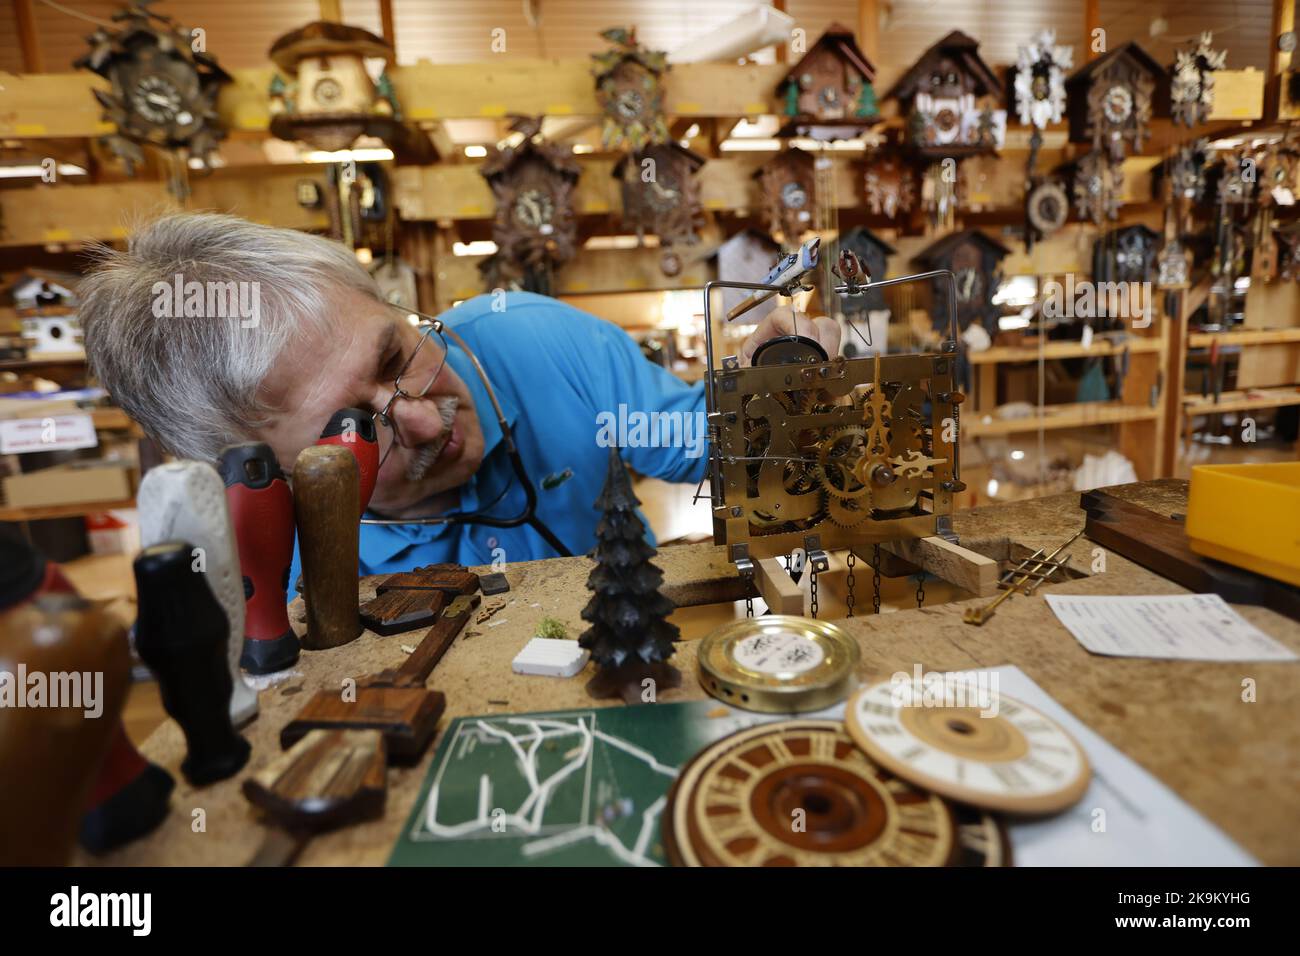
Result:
[[421, 663], [50, 755], [325, 496]]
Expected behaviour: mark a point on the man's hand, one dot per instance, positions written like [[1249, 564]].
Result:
[[782, 321]]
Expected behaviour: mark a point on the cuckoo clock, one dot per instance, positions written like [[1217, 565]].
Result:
[[973, 259], [890, 186], [746, 257], [1039, 82], [1232, 181], [1097, 185], [789, 185], [161, 92], [828, 93], [941, 97], [1127, 254], [1110, 101], [1278, 166], [535, 229], [873, 252], [629, 89], [1172, 265], [1191, 89], [661, 196], [324, 96], [1288, 241], [1186, 170]]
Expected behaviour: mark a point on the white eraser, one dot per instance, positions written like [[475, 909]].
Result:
[[548, 657]]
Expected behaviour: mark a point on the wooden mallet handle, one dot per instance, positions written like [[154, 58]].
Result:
[[325, 499]]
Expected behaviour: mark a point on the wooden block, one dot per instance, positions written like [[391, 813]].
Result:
[[405, 716], [451, 578], [1237, 95], [950, 562], [329, 778], [393, 612], [779, 592]]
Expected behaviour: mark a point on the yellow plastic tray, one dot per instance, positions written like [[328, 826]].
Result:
[[1248, 515]]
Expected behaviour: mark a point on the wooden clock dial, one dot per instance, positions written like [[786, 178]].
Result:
[[1016, 760], [799, 793]]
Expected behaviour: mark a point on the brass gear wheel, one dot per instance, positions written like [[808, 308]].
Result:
[[837, 457], [847, 512]]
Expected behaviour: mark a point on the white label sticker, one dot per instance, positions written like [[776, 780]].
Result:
[[778, 653], [52, 433]]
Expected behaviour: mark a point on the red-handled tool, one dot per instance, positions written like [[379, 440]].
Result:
[[261, 511], [354, 430]]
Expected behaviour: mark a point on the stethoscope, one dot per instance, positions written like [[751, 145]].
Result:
[[528, 516]]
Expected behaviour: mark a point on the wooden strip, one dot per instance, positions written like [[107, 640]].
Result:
[[950, 562], [779, 592]]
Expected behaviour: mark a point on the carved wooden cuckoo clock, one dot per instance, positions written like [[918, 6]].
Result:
[[329, 100], [1127, 254], [1098, 186], [1288, 240], [1110, 101], [629, 88], [973, 258], [890, 186], [661, 196], [828, 93], [163, 91], [535, 229], [941, 97], [1191, 89], [789, 185]]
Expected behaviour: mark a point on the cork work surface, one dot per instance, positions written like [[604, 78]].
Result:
[[1185, 722]]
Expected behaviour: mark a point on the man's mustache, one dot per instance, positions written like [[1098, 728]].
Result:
[[417, 467]]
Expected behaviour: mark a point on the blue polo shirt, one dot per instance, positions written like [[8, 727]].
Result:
[[568, 383]]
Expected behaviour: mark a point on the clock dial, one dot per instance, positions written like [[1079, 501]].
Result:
[[998, 753], [1117, 105], [793, 196], [327, 91], [828, 97], [534, 209], [157, 99], [629, 103], [798, 793]]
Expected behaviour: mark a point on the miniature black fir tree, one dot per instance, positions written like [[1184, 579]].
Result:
[[629, 638]]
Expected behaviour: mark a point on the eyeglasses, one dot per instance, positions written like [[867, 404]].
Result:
[[385, 424]]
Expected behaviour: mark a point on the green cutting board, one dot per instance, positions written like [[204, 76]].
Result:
[[561, 788]]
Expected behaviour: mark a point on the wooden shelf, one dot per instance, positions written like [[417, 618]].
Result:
[[999, 355], [1241, 401], [1198, 340], [1074, 415], [60, 358], [62, 511]]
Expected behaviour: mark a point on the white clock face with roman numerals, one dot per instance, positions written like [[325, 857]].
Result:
[[999, 754]]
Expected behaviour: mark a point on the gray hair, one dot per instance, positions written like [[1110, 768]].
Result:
[[191, 378]]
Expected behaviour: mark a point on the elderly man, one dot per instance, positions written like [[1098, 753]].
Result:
[[311, 335]]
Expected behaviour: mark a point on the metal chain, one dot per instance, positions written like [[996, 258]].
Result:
[[812, 584], [848, 599], [749, 597], [875, 579], [920, 590]]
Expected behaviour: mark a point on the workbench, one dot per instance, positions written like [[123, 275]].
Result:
[[1185, 722]]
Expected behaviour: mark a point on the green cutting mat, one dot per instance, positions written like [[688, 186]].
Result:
[[562, 788]]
